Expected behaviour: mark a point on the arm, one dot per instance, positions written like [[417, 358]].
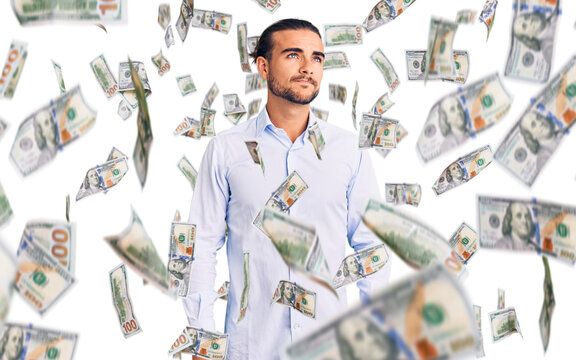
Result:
[[362, 186], [208, 212]]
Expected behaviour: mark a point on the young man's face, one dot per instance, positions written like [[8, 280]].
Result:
[[294, 70]]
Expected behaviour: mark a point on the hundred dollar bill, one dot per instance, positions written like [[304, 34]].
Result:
[[255, 153], [180, 257], [122, 303], [201, 343], [40, 279], [5, 208], [501, 297], [463, 170], [359, 265], [464, 242], [185, 84], [234, 110], [416, 64], [254, 82], [57, 238], [504, 323], [337, 93], [27, 342], [385, 68], [50, 128], [184, 19], [49, 11], [382, 105], [425, 316], [126, 85], [103, 177], [242, 34], [207, 122], [335, 60], [136, 249], [296, 297], [465, 16], [3, 127], [124, 110], [354, 101], [188, 170], [210, 96], [164, 15], [254, 107], [7, 272], [462, 114], [224, 290], [298, 245], [384, 12], [59, 77], [13, 68], [533, 37], [212, 20], [246, 288], [439, 55], [270, 5], [414, 242], [317, 139], [169, 37], [401, 133], [283, 197], [528, 225], [319, 113], [488, 14], [190, 128], [161, 63], [403, 194], [104, 76], [251, 43], [377, 132], [547, 307], [534, 138], [480, 344], [342, 34]]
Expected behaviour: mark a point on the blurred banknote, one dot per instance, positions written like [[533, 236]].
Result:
[[57, 238], [295, 296], [184, 18], [488, 14], [254, 107], [461, 115], [255, 153], [359, 265], [126, 85], [385, 11], [480, 343], [3, 127], [416, 65], [270, 5], [465, 16], [169, 37], [533, 37], [59, 77], [401, 133], [342, 34], [164, 15], [504, 323], [234, 110], [385, 68], [124, 110], [254, 82], [136, 249], [528, 225], [224, 290], [5, 208], [190, 128], [439, 54], [180, 256], [27, 342], [354, 101], [201, 343], [317, 139], [161, 63], [207, 121], [212, 20], [7, 272], [463, 170], [425, 316], [210, 96], [251, 43], [403, 194], [534, 138], [245, 288], [337, 93], [319, 113], [377, 132], [13, 68], [464, 242], [50, 128], [382, 105], [335, 60], [414, 242], [242, 32], [185, 84], [102, 177], [501, 299], [122, 302], [104, 76], [47, 11], [547, 307], [188, 170]]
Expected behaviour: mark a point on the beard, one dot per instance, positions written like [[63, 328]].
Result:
[[289, 94]]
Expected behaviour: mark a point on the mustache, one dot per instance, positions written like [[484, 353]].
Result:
[[304, 77]]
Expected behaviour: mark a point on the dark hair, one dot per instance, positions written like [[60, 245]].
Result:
[[265, 44]]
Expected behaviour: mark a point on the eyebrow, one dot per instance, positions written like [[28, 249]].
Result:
[[298, 50]]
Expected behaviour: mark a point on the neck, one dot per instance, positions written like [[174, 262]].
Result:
[[286, 115]]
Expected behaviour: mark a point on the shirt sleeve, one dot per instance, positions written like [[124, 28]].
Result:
[[363, 186], [208, 212]]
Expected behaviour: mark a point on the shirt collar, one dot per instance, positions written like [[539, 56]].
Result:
[[263, 122]]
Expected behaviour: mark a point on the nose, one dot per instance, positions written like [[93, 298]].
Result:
[[306, 67]]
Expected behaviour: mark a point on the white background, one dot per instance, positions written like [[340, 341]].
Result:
[[211, 56]]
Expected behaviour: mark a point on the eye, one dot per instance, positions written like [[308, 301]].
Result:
[[318, 59], [293, 55]]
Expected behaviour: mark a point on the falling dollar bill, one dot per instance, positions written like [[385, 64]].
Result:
[[414, 242], [5, 208], [439, 55], [103, 177], [319, 113], [547, 306], [416, 64], [126, 85], [403, 194], [317, 139], [401, 133], [533, 37], [169, 37], [122, 303], [254, 82], [296, 297], [463, 170], [501, 299], [534, 138], [184, 19], [201, 343], [465, 16], [270, 5], [40, 279], [528, 225], [188, 170], [377, 132], [342, 34], [161, 63], [335, 60], [124, 110], [180, 256], [164, 15], [464, 242], [384, 12], [385, 68], [12, 69], [354, 101], [382, 105], [242, 34], [49, 11], [210, 96], [462, 114], [27, 342], [254, 151], [251, 43], [207, 122], [50, 128], [104, 76], [488, 14], [254, 107], [212, 20], [359, 265], [337, 93], [136, 249], [7, 272], [246, 288], [425, 316], [57, 238], [224, 290], [504, 323], [190, 128], [480, 344], [234, 110], [3, 127], [59, 77]]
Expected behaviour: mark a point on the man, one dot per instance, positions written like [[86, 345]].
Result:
[[11, 344], [231, 189]]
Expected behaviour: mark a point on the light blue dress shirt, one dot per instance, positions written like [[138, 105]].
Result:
[[231, 189]]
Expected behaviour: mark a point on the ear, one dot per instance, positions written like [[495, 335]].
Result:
[[263, 66]]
